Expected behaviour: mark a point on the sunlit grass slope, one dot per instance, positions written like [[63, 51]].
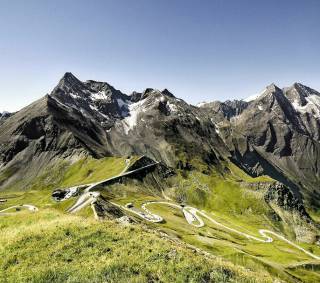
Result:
[[92, 170], [51, 246]]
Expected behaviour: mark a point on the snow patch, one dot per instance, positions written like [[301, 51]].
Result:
[[312, 106], [254, 96], [59, 102], [172, 107], [94, 108], [163, 99], [74, 96], [260, 107], [84, 113], [131, 121], [98, 95], [216, 127]]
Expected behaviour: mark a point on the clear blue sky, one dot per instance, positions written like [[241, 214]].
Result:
[[200, 50]]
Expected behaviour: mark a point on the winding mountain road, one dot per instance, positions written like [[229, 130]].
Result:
[[192, 215], [145, 215]]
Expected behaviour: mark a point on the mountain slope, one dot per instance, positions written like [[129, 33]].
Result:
[[273, 130]]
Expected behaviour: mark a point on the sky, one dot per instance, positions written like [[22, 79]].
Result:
[[199, 50]]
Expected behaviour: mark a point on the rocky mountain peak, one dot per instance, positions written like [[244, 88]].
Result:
[[273, 88], [148, 91], [296, 85], [68, 84], [272, 96], [228, 109], [270, 89], [98, 100], [98, 86], [136, 96], [69, 76], [4, 113], [167, 93], [295, 94], [68, 80], [305, 90]]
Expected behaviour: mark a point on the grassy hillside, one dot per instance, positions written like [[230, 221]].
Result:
[[51, 245], [235, 205]]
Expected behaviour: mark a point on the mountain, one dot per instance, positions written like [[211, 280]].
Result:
[[249, 164], [79, 118], [276, 133]]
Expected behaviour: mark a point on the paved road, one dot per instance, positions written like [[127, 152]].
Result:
[[145, 215], [192, 215], [30, 207], [87, 198]]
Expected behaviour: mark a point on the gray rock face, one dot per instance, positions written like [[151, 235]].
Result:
[[283, 197], [291, 211], [278, 135], [228, 109]]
